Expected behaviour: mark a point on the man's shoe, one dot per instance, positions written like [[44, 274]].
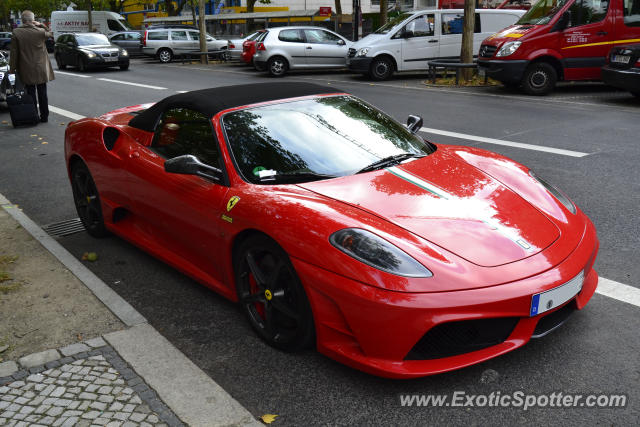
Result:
[[44, 119]]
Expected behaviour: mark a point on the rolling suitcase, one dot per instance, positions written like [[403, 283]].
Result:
[[22, 107]]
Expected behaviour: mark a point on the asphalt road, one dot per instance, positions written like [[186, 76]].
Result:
[[596, 351]]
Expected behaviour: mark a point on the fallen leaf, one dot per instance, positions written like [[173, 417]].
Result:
[[92, 256], [4, 122], [268, 418], [44, 142], [85, 256], [62, 124], [79, 337], [40, 139], [34, 135]]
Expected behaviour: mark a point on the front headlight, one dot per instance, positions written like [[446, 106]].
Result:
[[378, 253], [124, 53], [90, 54], [562, 198], [363, 51], [508, 48]]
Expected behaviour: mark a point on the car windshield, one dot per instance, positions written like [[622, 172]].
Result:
[[392, 23], [91, 39], [542, 12], [316, 138]]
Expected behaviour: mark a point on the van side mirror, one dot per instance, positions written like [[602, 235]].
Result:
[[190, 165], [414, 123], [406, 34], [563, 22]]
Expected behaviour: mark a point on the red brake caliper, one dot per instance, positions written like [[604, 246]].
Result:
[[253, 286]]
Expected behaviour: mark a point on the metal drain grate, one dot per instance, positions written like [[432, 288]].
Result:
[[64, 228]]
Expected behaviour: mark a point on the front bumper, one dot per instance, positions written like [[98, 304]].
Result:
[[504, 70], [99, 62], [359, 64], [628, 79], [377, 331]]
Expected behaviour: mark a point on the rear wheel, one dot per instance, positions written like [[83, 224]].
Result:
[[87, 200], [381, 69], [271, 294], [277, 66], [539, 79], [165, 55]]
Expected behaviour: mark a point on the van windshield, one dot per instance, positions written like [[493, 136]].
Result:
[[542, 12], [392, 23], [125, 24]]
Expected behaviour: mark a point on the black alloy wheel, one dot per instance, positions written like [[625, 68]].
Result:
[[381, 69], [271, 294], [87, 200], [539, 79], [277, 66]]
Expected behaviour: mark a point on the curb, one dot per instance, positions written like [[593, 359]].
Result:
[[191, 394]]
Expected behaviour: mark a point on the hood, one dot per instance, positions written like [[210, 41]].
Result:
[[100, 47], [512, 33], [451, 204], [368, 41]]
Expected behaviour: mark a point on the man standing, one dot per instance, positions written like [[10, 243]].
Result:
[[30, 60]]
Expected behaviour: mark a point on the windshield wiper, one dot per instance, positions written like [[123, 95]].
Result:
[[388, 161], [295, 177]]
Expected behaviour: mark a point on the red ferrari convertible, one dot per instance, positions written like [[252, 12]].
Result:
[[334, 225]]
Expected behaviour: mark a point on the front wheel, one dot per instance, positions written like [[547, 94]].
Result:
[[61, 65], [87, 200], [381, 69], [277, 66], [272, 295], [82, 64], [124, 67], [539, 79]]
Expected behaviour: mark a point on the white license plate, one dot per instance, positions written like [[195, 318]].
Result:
[[111, 58], [545, 301], [621, 59]]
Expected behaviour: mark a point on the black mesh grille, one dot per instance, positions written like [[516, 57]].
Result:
[[552, 320], [352, 52], [487, 51], [453, 338]]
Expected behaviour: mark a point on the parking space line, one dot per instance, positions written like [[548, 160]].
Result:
[[505, 143], [72, 74], [619, 291], [65, 113], [132, 84]]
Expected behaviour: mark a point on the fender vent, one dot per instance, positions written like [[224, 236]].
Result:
[[109, 137]]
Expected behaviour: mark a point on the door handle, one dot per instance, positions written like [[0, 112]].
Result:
[[309, 47], [433, 41], [601, 33]]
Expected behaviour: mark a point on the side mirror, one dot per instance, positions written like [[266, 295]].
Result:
[[341, 42], [563, 22], [190, 165], [72, 44], [414, 123], [407, 34]]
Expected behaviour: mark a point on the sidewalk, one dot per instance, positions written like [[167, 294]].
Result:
[[73, 353]]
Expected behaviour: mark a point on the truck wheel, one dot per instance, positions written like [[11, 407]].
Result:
[[539, 79], [381, 69], [165, 55]]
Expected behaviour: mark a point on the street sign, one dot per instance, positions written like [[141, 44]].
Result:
[[324, 11]]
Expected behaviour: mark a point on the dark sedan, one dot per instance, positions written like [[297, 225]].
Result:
[[129, 40], [5, 40], [623, 68], [89, 50]]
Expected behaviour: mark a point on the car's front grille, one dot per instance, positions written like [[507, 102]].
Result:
[[552, 320], [453, 338], [487, 51], [352, 52], [108, 54]]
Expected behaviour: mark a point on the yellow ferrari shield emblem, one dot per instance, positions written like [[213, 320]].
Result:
[[268, 295], [232, 202]]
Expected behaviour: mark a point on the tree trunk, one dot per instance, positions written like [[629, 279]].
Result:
[[383, 12], [192, 3], [203, 33], [466, 50], [89, 17], [338, 8]]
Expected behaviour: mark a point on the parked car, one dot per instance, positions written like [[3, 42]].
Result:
[[6, 84], [623, 68], [89, 50], [559, 40], [410, 40], [300, 48], [5, 40], [235, 46], [165, 43], [336, 227], [129, 40], [249, 47]]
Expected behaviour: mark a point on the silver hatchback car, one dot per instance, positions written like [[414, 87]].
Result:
[[299, 48]]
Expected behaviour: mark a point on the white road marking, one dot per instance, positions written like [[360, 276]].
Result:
[[133, 84], [505, 143], [619, 291], [72, 74], [65, 113]]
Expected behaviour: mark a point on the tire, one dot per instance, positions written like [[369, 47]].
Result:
[[636, 94], [539, 79], [87, 200], [165, 55], [277, 66], [124, 67], [60, 64], [381, 69], [82, 64], [271, 294]]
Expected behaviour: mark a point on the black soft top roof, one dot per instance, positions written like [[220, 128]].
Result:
[[211, 101]]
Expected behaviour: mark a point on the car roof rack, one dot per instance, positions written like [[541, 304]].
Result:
[[163, 26]]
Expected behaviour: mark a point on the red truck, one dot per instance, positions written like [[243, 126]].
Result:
[[559, 40]]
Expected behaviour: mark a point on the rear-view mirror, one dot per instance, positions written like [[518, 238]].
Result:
[[414, 123]]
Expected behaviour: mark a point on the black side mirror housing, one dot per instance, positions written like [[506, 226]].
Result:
[[407, 34], [563, 22], [190, 165], [414, 123], [72, 44]]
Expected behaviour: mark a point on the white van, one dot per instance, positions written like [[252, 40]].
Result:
[[77, 21], [408, 41]]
